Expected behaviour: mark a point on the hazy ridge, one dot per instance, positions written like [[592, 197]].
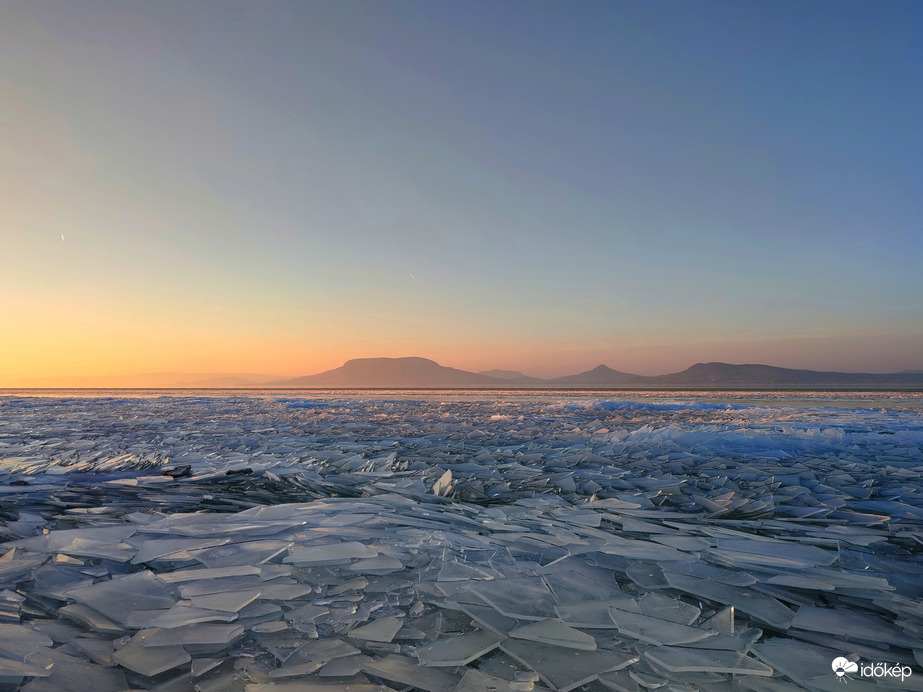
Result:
[[416, 372]]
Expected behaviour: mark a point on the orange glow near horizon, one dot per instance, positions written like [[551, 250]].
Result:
[[64, 342]]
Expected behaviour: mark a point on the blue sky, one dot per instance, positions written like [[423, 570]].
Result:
[[280, 186]]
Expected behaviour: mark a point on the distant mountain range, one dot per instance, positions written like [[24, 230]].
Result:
[[600, 376], [425, 373], [768, 376], [394, 372], [422, 373]]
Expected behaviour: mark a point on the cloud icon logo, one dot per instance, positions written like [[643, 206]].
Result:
[[841, 666]]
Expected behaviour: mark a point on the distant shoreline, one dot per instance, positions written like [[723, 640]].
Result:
[[741, 389]]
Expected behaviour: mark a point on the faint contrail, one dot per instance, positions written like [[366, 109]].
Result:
[[413, 277]]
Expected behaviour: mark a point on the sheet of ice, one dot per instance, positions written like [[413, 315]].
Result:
[[488, 618], [328, 555], [32, 666], [564, 669], [180, 615], [657, 606], [523, 598], [594, 614], [573, 587], [656, 631], [312, 655], [405, 671], [557, 633], [195, 633], [798, 661], [679, 660], [476, 681], [72, 674], [167, 548], [858, 625], [381, 630], [313, 687], [153, 660], [764, 608], [121, 597], [781, 531], [458, 650], [722, 621]]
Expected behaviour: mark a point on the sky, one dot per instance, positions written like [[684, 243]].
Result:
[[276, 187]]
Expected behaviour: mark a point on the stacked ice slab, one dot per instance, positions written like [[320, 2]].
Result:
[[512, 544]]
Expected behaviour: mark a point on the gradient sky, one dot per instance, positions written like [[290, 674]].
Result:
[[276, 187]]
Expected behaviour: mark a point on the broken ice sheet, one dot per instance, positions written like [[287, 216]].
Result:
[[382, 564], [346, 667], [405, 671], [19, 640], [98, 649], [573, 587], [301, 686], [619, 681], [296, 670], [555, 632], [680, 660], [316, 653], [703, 570], [380, 630], [797, 660], [646, 575], [120, 598], [802, 481], [740, 641], [227, 601], [457, 650], [594, 614], [306, 613], [638, 550], [245, 553], [181, 615], [96, 621], [444, 485], [71, 541], [488, 618], [477, 681], [778, 556], [336, 554], [658, 606], [764, 608], [565, 669], [196, 633], [200, 666], [150, 660], [656, 631], [72, 674], [855, 624], [34, 666], [722, 621], [459, 571], [830, 580], [525, 598], [154, 549], [267, 626], [207, 573]]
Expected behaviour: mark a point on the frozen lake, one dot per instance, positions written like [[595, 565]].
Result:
[[459, 541]]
